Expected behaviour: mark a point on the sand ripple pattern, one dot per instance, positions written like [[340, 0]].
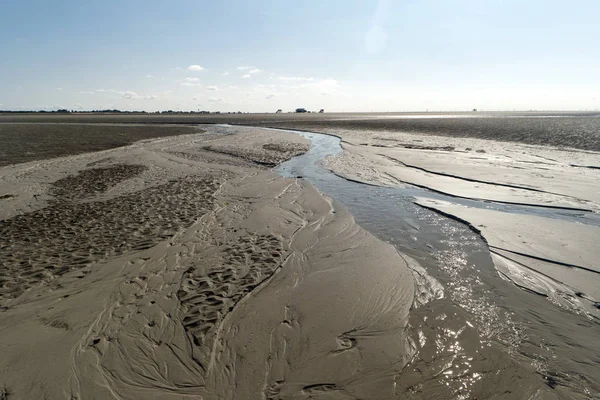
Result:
[[94, 181], [240, 266], [269, 155], [69, 235]]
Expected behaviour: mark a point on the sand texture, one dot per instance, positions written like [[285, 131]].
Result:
[[183, 267], [473, 168], [562, 252], [542, 178], [562, 129], [22, 142]]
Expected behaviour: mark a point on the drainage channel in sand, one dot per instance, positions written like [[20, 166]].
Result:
[[477, 283]]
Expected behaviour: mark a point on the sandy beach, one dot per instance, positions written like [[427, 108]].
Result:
[[544, 180], [187, 266], [184, 267], [365, 200]]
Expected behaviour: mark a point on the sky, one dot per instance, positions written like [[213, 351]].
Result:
[[339, 55]]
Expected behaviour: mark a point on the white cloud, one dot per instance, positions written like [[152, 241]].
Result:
[[246, 76], [245, 68], [270, 96], [149, 76], [232, 87], [212, 88], [100, 90], [295, 78], [130, 95], [215, 100], [59, 89], [225, 73], [195, 68], [194, 98], [254, 71], [84, 92], [190, 84], [324, 85]]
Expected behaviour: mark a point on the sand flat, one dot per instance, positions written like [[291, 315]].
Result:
[[184, 267], [472, 168], [512, 170], [562, 250], [23, 142], [496, 172]]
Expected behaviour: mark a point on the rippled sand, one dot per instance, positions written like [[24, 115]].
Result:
[[536, 209], [184, 267], [545, 179]]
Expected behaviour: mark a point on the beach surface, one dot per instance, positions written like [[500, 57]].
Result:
[[536, 206], [186, 266], [183, 267]]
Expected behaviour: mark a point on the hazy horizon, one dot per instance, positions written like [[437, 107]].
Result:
[[474, 112], [384, 56]]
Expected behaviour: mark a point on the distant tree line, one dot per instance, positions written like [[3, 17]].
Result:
[[114, 111], [61, 111]]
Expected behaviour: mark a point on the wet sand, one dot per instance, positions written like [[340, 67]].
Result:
[[23, 142], [184, 267], [579, 130], [534, 207], [546, 181]]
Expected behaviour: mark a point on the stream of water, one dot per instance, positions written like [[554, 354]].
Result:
[[561, 346]]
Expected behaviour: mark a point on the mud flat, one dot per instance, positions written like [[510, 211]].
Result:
[[544, 198], [183, 267], [120, 267], [579, 130], [535, 210], [27, 141]]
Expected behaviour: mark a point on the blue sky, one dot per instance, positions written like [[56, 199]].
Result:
[[339, 55]]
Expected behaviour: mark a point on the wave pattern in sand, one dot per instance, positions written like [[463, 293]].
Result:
[[70, 234], [207, 296]]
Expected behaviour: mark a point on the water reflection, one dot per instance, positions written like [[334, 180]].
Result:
[[486, 333]]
